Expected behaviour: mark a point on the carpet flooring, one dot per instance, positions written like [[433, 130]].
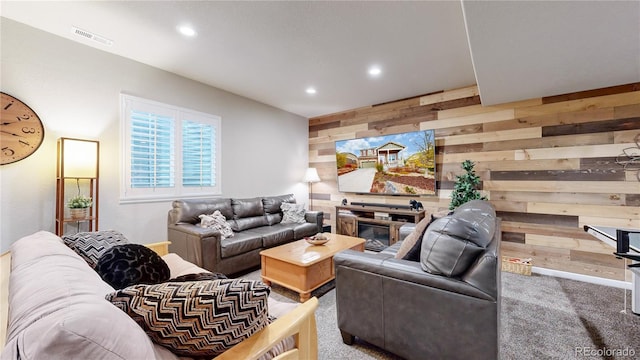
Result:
[[542, 317]]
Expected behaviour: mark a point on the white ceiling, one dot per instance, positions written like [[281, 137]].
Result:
[[272, 51]]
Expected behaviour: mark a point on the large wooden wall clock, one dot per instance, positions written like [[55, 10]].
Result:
[[21, 131]]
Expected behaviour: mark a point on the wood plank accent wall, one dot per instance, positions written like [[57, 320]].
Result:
[[547, 164]]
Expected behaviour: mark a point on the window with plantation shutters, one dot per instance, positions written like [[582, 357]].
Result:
[[168, 152]]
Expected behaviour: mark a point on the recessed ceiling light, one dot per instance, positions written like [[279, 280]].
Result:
[[375, 71], [187, 30], [311, 90]]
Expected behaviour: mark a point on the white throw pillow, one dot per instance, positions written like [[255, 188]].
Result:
[[293, 213], [217, 221]]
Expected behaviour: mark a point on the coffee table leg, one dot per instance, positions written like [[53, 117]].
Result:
[[304, 296], [266, 282]]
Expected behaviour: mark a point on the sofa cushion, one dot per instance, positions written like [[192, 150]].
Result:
[[241, 243], [275, 235], [301, 230], [187, 211], [272, 203], [197, 318], [451, 244], [293, 213], [243, 208], [57, 306], [92, 245], [248, 223], [130, 264]]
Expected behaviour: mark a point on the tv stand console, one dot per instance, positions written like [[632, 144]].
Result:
[[379, 223]]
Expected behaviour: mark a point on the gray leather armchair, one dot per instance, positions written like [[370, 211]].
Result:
[[435, 308]]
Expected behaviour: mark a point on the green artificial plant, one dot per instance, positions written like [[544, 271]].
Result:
[[465, 188], [79, 202]]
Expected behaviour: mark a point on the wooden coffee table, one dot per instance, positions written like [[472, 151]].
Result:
[[303, 267]]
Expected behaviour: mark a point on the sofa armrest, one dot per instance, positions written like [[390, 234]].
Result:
[[187, 240], [405, 230], [386, 265], [315, 217], [300, 322]]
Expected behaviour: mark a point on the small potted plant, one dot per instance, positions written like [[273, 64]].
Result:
[[78, 206]]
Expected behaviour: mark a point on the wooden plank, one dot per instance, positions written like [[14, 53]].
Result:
[[519, 165], [413, 123], [562, 198], [456, 149], [561, 175], [594, 245], [583, 151], [548, 230], [455, 104], [513, 237], [585, 210], [600, 163], [480, 109], [478, 156], [502, 135], [512, 124], [332, 118], [324, 126], [610, 222], [552, 142], [481, 118], [387, 131], [543, 219], [626, 111], [577, 117], [331, 138], [578, 140], [630, 136], [592, 127], [581, 104], [618, 89], [511, 206], [450, 95], [342, 130], [594, 258], [613, 187], [560, 259], [458, 130], [632, 200]]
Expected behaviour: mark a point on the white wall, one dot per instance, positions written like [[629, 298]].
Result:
[[75, 91]]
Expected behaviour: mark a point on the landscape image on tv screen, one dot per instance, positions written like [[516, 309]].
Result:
[[398, 164]]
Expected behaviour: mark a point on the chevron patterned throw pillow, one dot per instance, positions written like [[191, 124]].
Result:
[[91, 245], [197, 318]]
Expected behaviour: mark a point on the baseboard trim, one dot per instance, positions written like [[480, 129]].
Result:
[[586, 278]]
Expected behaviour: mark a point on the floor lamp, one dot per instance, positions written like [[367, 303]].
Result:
[[311, 176]]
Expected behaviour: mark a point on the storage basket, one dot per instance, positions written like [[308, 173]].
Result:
[[516, 265]]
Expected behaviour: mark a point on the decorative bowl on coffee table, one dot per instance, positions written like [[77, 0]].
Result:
[[318, 239]]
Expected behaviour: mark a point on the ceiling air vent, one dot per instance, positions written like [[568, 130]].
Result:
[[89, 35]]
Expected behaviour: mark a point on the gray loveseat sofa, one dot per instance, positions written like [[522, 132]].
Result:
[[445, 306], [256, 224]]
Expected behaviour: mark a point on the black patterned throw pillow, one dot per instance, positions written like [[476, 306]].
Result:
[[197, 318], [131, 264], [199, 277], [91, 245]]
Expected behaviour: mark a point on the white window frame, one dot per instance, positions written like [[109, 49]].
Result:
[[128, 194]]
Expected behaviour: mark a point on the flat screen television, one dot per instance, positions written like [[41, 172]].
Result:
[[396, 164]]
